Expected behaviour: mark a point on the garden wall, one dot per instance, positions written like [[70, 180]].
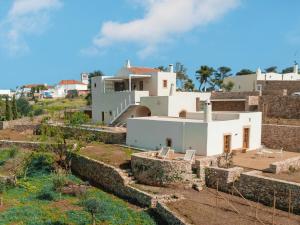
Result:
[[285, 165], [106, 136], [23, 121], [252, 185], [159, 172], [290, 86], [281, 136], [112, 179]]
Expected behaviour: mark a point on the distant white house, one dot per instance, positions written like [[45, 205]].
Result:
[[140, 92], [206, 132], [65, 86], [251, 82], [8, 93]]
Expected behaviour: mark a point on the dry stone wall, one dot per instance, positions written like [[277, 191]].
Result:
[[290, 86], [154, 171], [285, 165], [281, 136]]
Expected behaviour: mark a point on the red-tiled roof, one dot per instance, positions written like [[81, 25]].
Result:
[[34, 85], [142, 70], [70, 82]]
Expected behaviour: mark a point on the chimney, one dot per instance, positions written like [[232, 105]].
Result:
[[171, 68], [172, 90], [258, 72], [296, 68], [207, 112], [127, 65]]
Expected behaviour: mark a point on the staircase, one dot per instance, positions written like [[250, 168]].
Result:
[[121, 119]]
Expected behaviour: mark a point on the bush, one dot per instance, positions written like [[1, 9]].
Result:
[[23, 106], [59, 181], [13, 151], [78, 118], [40, 162], [38, 112], [46, 194]]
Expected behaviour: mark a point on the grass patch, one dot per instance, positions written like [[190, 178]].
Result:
[[6, 154]]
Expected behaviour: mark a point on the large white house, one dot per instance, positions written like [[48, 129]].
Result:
[[206, 132], [251, 82], [140, 92]]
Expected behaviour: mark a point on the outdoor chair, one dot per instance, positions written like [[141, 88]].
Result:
[[164, 152], [189, 155]]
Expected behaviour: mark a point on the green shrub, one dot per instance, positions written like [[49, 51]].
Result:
[[46, 194], [78, 118], [40, 162], [38, 112], [13, 151], [59, 181]]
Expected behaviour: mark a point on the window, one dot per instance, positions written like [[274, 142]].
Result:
[[110, 113], [165, 83], [95, 85], [141, 85]]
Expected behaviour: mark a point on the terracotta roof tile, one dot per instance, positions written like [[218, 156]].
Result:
[[142, 70], [70, 82]]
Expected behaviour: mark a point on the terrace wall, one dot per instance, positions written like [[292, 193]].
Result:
[[20, 122], [287, 107], [252, 185], [281, 136], [290, 86]]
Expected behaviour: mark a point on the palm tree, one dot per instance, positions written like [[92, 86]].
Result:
[[189, 85], [203, 74], [219, 75], [181, 75]]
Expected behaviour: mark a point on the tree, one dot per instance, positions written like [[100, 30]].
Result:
[[93, 206], [218, 77], [189, 85], [228, 86], [203, 74], [244, 72], [162, 68], [24, 107], [181, 75], [78, 118], [14, 108], [97, 73], [8, 113], [288, 70], [272, 69]]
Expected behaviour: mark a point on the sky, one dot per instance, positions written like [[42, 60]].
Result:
[[45, 41]]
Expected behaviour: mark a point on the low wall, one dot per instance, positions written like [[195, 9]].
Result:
[[281, 136], [20, 144], [290, 86], [285, 165], [106, 136], [23, 121], [113, 180], [159, 172], [234, 95], [252, 185]]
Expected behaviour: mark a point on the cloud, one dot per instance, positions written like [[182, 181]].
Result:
[[163, 20], [25, 17]]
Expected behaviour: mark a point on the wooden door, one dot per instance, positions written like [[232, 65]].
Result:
[[246, 138], [227, 143]]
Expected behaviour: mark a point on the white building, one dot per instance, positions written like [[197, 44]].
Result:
[[251, 82], [65, 86], [8, 93], [207, 133], [140, 92]]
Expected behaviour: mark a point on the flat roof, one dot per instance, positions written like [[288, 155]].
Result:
[[165, 118]]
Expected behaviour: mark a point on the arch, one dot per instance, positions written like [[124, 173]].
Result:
[[142, 111], [182, 114]]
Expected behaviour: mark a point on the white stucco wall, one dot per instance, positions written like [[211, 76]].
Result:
[[243, 82], [206, 138]]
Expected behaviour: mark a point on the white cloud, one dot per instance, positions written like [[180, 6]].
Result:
[[25, 17], [162, 20]]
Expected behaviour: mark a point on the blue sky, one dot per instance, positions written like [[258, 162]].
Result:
[[45, 41]]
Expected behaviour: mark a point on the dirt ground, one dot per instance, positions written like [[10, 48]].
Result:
[[252, 160], [288, 176], [111, 154], [203, 208]]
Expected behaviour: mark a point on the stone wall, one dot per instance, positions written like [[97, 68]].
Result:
[[290, 86], [21, 144], [106, 136], [281, 136], [222, 178], [228, 105], [285, 165], [112, 179], [253, 186], [148, 169], [233, 95], [287, 107], [23, 121]]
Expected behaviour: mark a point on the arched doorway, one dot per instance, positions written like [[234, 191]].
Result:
[[182, 114], [143, 111]]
